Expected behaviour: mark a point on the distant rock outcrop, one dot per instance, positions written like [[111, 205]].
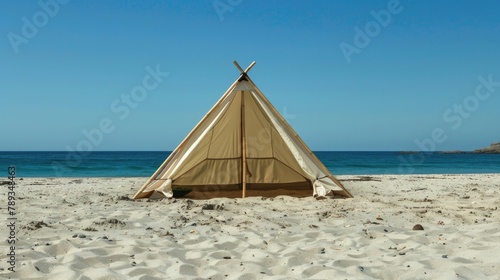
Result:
[[492, 149], [453, 152]]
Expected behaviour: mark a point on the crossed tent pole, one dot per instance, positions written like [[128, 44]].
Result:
[[244, 72]]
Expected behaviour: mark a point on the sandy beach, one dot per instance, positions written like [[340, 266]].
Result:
[[89, 228]]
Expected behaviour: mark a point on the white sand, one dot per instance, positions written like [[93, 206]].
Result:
[[284, 237]]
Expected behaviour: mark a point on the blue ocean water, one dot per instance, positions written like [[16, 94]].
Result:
[[138, 164]]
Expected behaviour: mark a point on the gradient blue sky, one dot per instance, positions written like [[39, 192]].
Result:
[[395, 91]]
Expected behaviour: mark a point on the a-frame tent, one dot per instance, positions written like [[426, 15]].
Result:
[[244, 146]]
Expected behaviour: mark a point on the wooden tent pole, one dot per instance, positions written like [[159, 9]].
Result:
[[241, 69], [243, 148], [238, 66], [249, 67], [243, 136]]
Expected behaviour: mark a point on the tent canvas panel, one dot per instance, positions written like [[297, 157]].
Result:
[[212, 171], [268, 171], [225, 141], [257, 130]]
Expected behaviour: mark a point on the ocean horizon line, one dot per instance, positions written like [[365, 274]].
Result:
[[145, 163]]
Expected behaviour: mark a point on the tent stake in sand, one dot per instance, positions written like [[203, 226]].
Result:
[[242, 147]]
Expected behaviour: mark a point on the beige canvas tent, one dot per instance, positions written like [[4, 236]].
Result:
[[242, 147]]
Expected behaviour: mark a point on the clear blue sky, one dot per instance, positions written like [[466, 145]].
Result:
[[64, 77]]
